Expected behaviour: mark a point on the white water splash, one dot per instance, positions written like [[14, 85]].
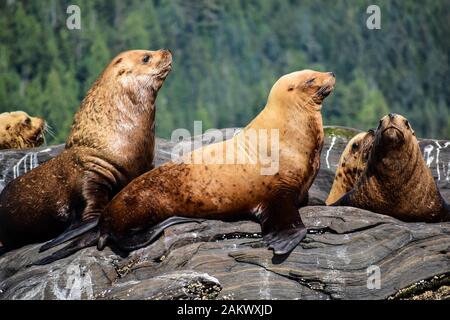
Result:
[[264, 285], [25, 164], [438, 150], [427, 154], [333, 141], [79, 284]]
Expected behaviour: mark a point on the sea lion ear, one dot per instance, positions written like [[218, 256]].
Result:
[[291, 87]]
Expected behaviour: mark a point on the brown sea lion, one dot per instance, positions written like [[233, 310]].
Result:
[[351, 165], [213, 190], [20, 131], [397, 181], [111, 143]]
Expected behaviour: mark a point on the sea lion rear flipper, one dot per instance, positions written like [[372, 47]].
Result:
[[343, 201], [281, 224], [446, 215], [3, 250], [71, 233], [147, 236], [87, 240]]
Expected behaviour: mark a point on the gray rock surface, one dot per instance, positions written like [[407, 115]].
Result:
[[220, 260]]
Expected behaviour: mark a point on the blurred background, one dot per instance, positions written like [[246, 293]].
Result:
[[227, 55]]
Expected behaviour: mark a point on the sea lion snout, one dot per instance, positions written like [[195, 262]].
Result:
[[392, 135], [394, 128]]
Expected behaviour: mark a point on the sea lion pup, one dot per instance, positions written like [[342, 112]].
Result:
[[195, 189], [111, 143], [351, 165], [20, 131], [397, 181]]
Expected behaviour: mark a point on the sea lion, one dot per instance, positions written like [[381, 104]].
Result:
[[351, 165], [189, 189], [18, 130], [397, 181], [111, 143]]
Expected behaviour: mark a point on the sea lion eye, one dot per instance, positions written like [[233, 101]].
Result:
[[27, 121], [355, 146], [146, 59], [310, 81]]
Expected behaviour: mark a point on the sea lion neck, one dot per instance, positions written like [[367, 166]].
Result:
[[290, 120], [131, 111]]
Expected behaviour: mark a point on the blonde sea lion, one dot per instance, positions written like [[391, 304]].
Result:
[[193, 189], [111, 143], [397, 181], [18, 130], [351, 165]]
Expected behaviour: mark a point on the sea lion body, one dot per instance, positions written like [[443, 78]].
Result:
[[351, 165], [397, 181], [221, 191], [20, 131], [192, 189], [111, 143]]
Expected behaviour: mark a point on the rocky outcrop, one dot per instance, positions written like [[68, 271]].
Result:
[[347, 254], [343, 251]]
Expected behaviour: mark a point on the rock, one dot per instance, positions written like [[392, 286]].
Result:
[[339, 258], [222, 260]]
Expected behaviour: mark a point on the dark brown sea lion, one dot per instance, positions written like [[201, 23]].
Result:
[[111, 143], [397, 181], [20, 131], [230, 191], [351, 165]]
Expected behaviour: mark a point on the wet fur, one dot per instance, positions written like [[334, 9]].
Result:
[[111, 143]]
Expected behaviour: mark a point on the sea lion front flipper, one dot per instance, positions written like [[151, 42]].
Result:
[[71, 233], [96, 190], [87, 240], [147, 236], [281, 224]]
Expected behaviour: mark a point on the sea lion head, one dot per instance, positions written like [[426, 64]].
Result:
[[352, 164], [306, 89], [394, 131], [140, 71], [18, 130], [356, 153]]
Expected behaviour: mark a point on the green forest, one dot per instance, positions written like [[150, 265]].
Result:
[[228, 53]]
